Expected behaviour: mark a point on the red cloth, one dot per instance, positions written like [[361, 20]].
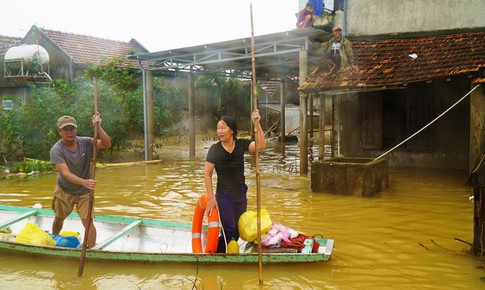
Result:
[[315, 246], [297, 243]]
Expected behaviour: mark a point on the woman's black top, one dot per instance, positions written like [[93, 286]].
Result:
[[229, 166]]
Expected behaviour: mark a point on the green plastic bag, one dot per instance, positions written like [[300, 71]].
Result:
[[32, 234], [248, 225]]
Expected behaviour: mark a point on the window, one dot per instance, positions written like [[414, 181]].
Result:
[[394, 118], [7, 104], [389, 117]]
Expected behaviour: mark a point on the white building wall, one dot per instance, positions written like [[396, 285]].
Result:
[[373, 17]]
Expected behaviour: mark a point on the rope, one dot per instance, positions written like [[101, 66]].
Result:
[[441, 115], [222, 227]]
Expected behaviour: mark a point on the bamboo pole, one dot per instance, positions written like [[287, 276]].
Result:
[[93, 176], [256, 141]]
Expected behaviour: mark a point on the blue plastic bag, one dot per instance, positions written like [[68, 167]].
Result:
[[66, 241]]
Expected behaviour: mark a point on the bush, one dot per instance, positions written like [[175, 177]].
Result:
[[31, 130], [31, 165]]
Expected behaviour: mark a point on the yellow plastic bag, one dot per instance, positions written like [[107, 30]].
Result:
[[248, 226], [70, 234], [32, 234]]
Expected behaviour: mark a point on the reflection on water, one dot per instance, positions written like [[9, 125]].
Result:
[[402, 238]]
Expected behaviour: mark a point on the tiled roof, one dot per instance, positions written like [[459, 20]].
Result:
[[89, 49], [8, 41], [403, 60]]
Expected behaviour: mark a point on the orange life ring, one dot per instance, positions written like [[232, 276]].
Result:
[[212, 227]]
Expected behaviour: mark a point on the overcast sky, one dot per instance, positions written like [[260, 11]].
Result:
[[156, 24]]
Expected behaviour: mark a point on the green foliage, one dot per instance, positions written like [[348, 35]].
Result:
[[169, 104], [224, 91], [32, 165], [114, 73], [64, 90], [134, 112], [31, 130], [110, 106], [10, 141], [36, 122]]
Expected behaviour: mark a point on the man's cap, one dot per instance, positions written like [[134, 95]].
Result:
[[66, 121], [337, 27]]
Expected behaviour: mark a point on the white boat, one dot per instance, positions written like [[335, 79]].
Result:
[[142, 240]]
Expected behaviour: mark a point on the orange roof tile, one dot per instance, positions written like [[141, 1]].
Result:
[[89, 49], [8, 41], [391, 61]]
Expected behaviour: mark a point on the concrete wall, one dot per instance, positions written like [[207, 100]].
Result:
[[370, 17]]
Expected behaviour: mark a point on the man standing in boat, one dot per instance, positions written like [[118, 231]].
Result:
[[72, 155]]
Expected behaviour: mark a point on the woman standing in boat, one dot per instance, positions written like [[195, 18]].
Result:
[[227, 158]]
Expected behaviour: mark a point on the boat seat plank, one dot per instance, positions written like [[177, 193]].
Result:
[[17, 219], [118, 235], [329, 247]]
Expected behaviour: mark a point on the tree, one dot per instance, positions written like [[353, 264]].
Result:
[[36, 122], [31, 130], [225, 92], [169, 104]]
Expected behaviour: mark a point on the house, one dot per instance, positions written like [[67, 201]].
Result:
[[68, 54], [418, 98], [409, 74], [7, 42]]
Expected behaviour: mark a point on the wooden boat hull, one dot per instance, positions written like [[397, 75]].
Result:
[[140, 240]]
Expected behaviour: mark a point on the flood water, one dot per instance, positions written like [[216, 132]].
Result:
[[402, 238]]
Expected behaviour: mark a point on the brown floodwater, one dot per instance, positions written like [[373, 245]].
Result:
[[402, 238]]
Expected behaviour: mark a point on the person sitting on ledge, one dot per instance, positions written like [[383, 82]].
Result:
[[306, 16]]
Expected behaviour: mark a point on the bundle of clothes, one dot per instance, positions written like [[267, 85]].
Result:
[[275, 235], [280, 236]]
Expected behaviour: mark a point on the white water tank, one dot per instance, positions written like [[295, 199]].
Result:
[[26, 59]]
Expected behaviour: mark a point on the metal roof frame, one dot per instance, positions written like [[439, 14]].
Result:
[[276, 53]]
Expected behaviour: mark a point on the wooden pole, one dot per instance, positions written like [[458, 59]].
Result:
[[93, 176], [256, 141], [191, 113], [477, 160], [303, 60], [321, 129], [283, 87], [149, 112]]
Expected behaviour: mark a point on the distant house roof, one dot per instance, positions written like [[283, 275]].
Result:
[[8, 41], [268, 86], [397, 61], [89, 49]]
